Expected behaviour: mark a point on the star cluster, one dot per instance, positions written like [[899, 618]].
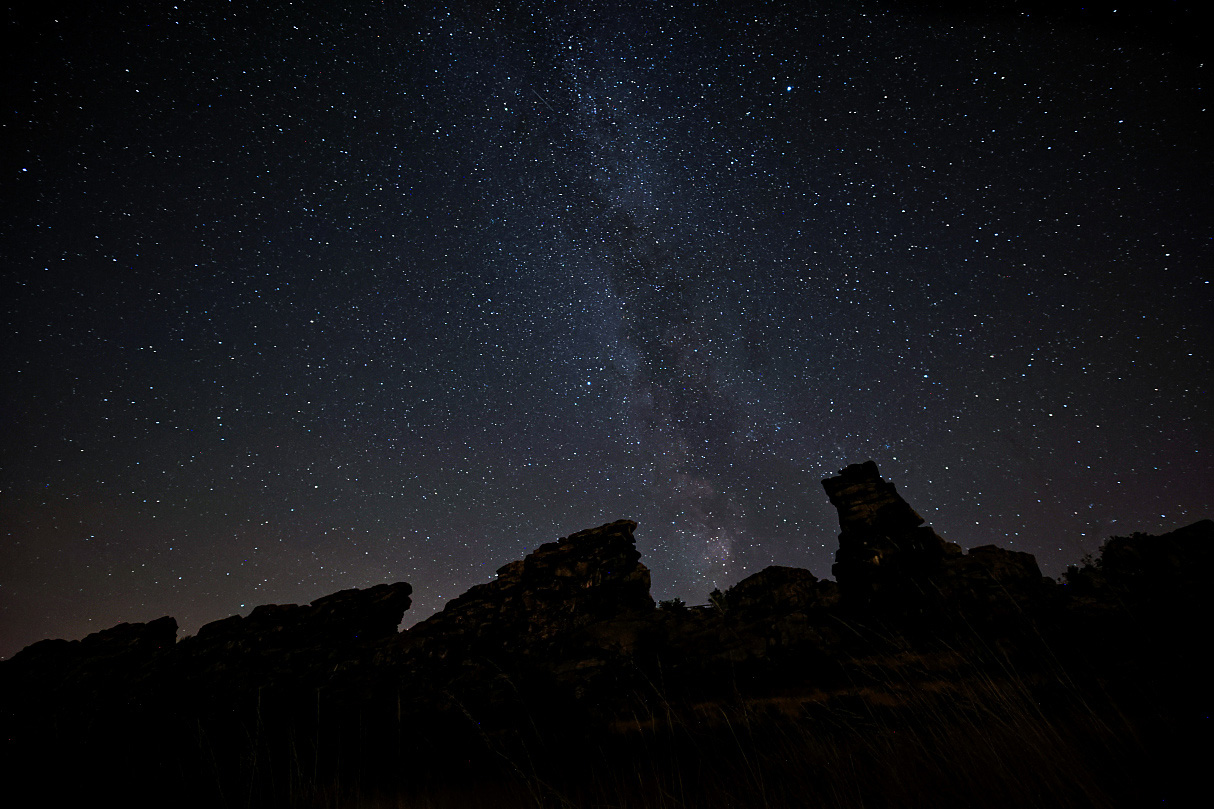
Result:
[[306, 296]]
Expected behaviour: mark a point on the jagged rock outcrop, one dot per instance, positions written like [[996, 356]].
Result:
[[249, 684], [338, 619], [886, 557], [288, 646], [770, 630], [894, 568], [281, 645], [555, 633], [777, 590], [992, 577], [99, 660], [565, 651], [124, 643], [584, 579]]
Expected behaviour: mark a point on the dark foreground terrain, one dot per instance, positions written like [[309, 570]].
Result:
[[923, 676]]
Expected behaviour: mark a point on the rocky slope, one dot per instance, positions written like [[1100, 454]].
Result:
[[565, 652]]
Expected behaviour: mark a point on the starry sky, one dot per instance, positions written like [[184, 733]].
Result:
[[306, 296]]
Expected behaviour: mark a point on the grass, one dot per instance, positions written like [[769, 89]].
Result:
[[981, 740], [890, 727]]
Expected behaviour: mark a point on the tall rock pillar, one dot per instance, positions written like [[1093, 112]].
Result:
[[887, 558]]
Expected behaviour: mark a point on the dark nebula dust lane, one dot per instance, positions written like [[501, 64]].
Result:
[[299, 298]]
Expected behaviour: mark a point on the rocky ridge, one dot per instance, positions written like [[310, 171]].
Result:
[[566, 648]]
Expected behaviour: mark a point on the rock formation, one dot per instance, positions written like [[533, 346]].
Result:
[[121, 644], [101, 661], [565, 651], [561, 587], [339, 619], [891, 566], [778, 589], [887, 558], [546, 644]]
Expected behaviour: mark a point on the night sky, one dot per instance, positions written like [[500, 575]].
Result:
[[306, 296]]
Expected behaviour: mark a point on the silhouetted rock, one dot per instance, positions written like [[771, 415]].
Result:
[[779, 590], [338, 619], [886, 558], [552, 635], [565, 650], [132, 639], [354, 614], [771, 630], [868, 505], [286, 649], [129, 642], [583, 579], [987, 571], [897, 570], [112, 654]]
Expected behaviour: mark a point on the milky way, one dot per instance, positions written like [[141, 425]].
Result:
[[301, 298]]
